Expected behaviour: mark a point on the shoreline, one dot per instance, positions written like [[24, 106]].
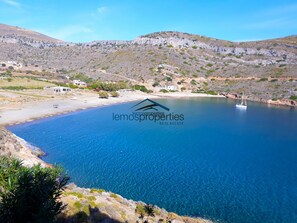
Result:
[[30, 157], [13, 114], [15, 146], [31, 111]]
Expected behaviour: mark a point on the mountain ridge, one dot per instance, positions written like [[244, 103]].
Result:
[[167, 58]]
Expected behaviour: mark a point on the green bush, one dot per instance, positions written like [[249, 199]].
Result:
[[113, 195], [103, 94], [155, 84], [30, 194], [164, 91], [82, 77], [100, 191], [140, 88], [114, 94], [211, 92], [105, 86], [193, 82], [293, 97], [168, 79], [263, 79], [73, 86]]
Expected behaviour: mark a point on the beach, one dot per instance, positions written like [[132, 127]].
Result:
[[25, 111]]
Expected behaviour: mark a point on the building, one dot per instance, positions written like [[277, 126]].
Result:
[[79, 83], [58, 90], [169, 88]]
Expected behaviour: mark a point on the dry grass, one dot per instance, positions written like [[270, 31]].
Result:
[[24, 82]]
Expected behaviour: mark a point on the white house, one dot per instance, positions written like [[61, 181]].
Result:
[[58, 90], [79, 83], [169, 88]]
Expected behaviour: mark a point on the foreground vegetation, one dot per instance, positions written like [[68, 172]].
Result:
[[30, 194]]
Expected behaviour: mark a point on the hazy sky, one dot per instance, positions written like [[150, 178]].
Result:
[[81, 21]]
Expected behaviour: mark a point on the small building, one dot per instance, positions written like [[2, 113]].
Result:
[[169, 88], [2, 77], [79, 83], [58, 90]]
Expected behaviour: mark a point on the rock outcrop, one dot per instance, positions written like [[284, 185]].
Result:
[[13, 146], [97, 205]]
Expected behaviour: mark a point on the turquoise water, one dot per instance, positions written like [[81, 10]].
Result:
[[223, 164]]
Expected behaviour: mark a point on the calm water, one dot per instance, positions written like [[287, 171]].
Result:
[[223, 164]]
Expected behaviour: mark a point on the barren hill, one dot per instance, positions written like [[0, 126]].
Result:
[[14, 34], [161, 56]]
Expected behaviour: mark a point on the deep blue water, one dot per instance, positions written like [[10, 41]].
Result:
[[223, 164]]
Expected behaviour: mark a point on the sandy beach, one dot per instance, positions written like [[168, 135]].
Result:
[[15, 113]]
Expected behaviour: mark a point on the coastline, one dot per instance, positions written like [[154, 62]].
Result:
[[30, 111], [17, 147], [36, 110]]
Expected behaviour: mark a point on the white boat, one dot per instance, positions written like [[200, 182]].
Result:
[[243, 104]]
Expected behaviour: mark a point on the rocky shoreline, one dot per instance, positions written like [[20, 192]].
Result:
[[85, 204]]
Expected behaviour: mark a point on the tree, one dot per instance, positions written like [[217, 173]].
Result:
[[30, 194]]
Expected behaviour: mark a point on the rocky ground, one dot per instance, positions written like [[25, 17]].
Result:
[[162, 58], [97, 205], [13, 146]]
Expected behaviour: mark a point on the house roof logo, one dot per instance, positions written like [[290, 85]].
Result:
[[148, 105]]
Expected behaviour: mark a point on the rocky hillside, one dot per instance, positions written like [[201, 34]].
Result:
[[165, 58], [98, 205]]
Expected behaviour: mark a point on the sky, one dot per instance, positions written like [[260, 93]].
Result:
[[88, 20]]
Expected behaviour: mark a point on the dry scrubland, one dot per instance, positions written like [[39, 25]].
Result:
[[193, 63]]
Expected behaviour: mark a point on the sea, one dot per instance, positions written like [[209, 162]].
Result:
[[213, 161]]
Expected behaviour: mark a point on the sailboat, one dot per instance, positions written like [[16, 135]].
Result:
[[243, 104]]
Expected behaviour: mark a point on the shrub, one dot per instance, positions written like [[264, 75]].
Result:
[[77, 205], [103, 94], [263, 79], [194, 47], [100, 191], [113, 195], [155, 84], [77, 194], [114, 94], [273, 80], [164, 91], [193, 82], [293, 97], [30, 194], [82, 77], [72, 86], [140, 209], [168, 79], [211, 92], [140, 88], [105, 86]]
